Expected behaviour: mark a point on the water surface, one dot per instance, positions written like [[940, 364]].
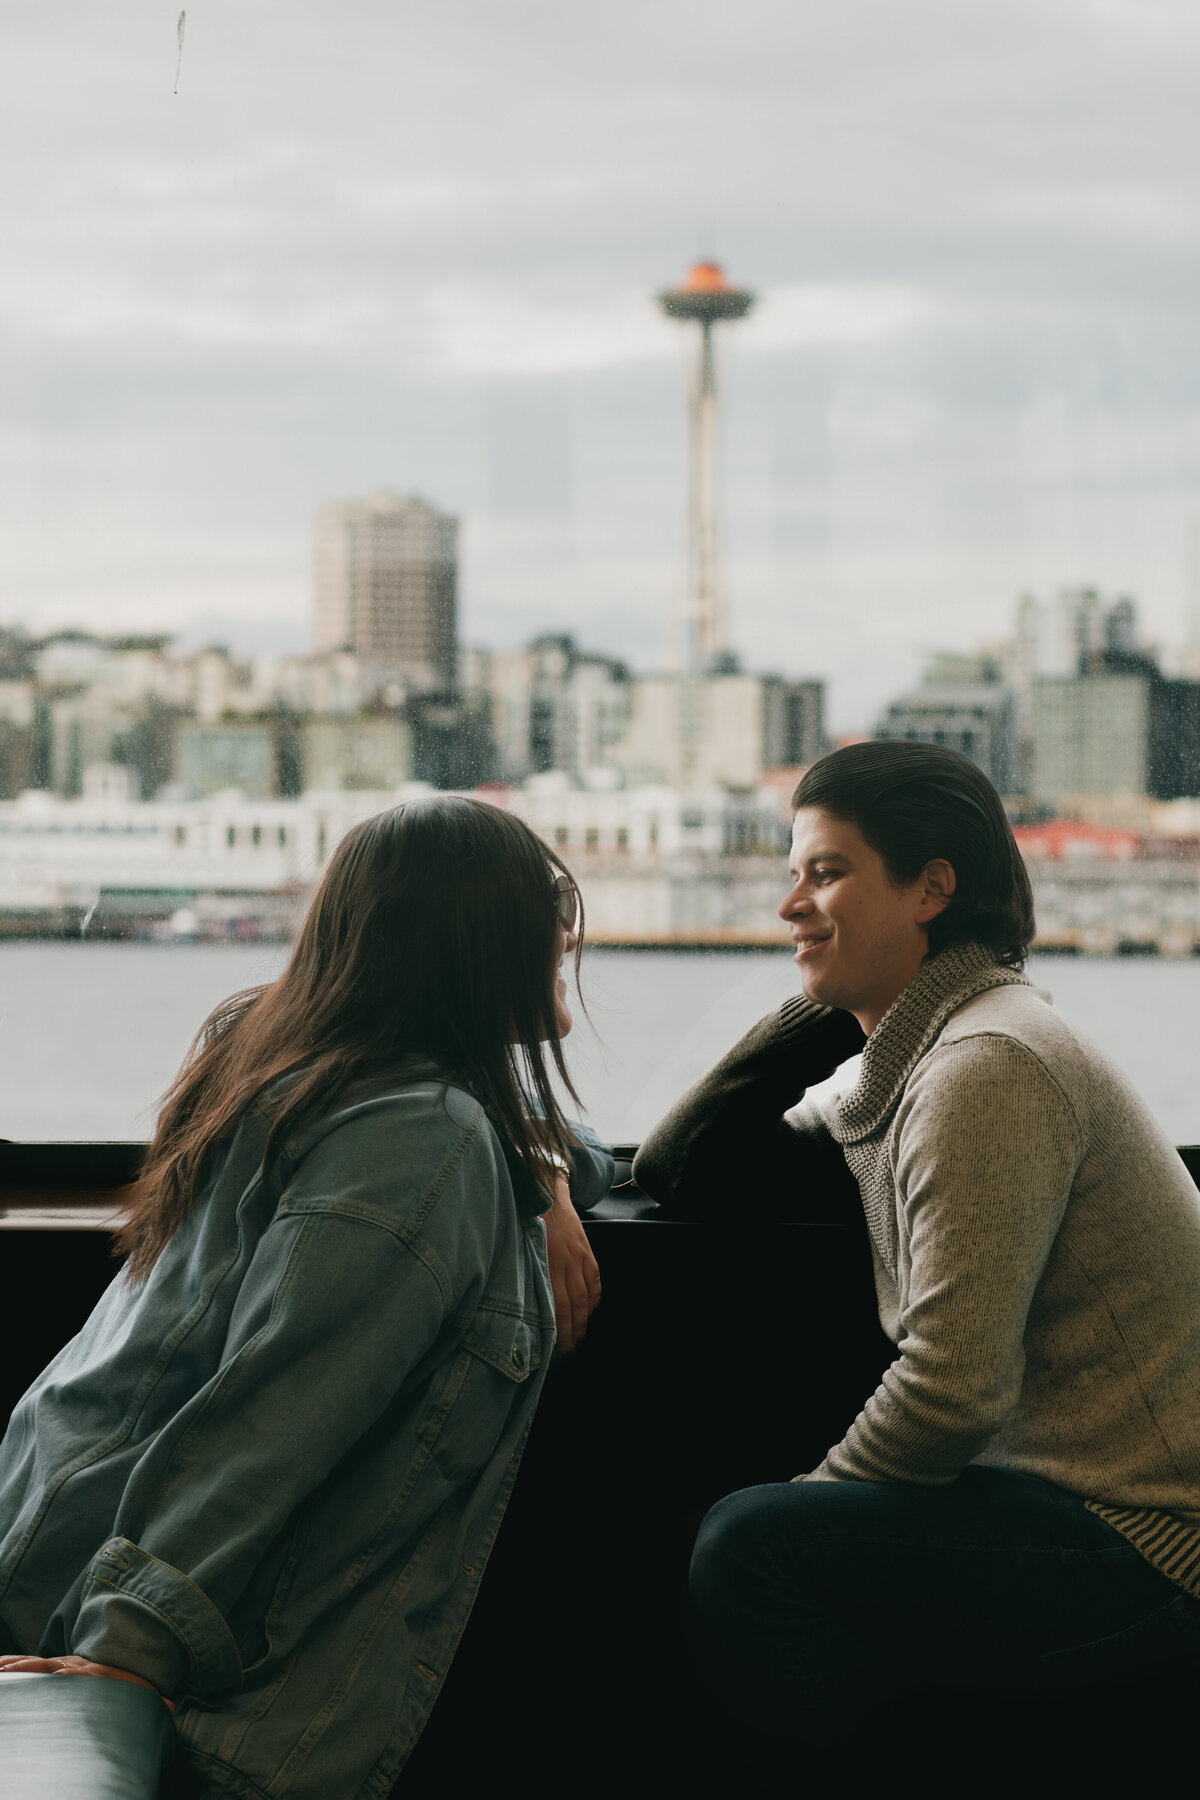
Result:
[[90, 1034]]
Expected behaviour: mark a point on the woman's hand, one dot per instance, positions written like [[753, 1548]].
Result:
[[574, 1276], [73, 1665]]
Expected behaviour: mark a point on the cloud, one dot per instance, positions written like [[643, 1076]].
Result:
[[117, 310], [1137, 214], [477, 331], [804, 314], [504, 332], [366, 246]]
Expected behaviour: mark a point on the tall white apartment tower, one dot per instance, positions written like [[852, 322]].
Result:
[[387, 587]]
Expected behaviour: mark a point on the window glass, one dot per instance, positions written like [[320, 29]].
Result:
[[605, 410], [656, 1021]]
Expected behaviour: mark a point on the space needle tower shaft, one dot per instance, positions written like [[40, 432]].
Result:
[[705, 298]]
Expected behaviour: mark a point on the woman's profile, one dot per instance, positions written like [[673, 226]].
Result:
[[266, 1476]]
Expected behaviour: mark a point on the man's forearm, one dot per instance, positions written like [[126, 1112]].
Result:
[[728, 1130]]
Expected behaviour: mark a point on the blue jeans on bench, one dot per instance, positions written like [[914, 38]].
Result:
[[811, 1600]]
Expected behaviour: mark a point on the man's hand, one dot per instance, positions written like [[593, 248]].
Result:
[[574, 1276], [72, 1665]]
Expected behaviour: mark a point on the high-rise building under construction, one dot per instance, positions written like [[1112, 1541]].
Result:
[[386, 587]]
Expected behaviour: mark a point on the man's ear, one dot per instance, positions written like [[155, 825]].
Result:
[[938, 885]]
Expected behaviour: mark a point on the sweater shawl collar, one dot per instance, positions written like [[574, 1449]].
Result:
[[908, 1028]]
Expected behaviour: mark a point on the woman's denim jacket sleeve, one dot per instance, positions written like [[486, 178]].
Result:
[[297, 1438]]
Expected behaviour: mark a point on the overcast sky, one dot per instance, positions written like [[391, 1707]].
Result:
[[416, 245]]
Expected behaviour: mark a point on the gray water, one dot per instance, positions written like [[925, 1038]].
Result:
[[90, 1034]]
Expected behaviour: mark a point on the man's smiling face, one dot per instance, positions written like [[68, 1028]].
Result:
[[860, 937]]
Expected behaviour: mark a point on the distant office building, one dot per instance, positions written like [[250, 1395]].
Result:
[[16, 655], [1172, 720], [336, 685], [1069, 707], [451, 740], [18, 717], [16, 760], [1122, 727], [955, 668], [592, 721], [1174, 750], [719, 731], [1090, 735], [980, 721], [1058, 638], [341, 755], [260, 758], [553, 706], [223, 686], [84, 728], [798, 736], [217, 685], [386, 587]]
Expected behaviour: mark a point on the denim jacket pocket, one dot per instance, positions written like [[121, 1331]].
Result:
[[510, 1341], [481, 1387]]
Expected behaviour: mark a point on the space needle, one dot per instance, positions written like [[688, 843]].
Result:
[[705, 298]]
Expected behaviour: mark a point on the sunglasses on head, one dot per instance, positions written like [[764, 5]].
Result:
[[566, 902]]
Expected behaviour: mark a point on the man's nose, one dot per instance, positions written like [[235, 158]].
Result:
[[794, 902]]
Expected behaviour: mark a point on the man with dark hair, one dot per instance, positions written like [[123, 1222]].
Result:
[[1018, 1503]]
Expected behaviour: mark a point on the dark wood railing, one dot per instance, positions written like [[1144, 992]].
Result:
[[721, 1355]]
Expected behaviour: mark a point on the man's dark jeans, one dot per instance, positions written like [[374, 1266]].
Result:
[[812, 1599]]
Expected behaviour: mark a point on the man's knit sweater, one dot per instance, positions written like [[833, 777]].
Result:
[[1036, 1249]]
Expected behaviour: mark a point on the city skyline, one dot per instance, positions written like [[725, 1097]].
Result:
[[421, 252], [322, 647]]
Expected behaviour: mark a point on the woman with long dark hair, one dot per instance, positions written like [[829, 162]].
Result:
[[266, 1476]]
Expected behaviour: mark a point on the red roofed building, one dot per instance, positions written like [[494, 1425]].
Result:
[[1059, 838]]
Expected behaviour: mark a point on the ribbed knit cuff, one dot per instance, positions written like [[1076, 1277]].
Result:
[[797, 1014], [839, 1033]]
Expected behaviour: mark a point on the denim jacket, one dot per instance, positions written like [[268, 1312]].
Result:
[[269, 1478]]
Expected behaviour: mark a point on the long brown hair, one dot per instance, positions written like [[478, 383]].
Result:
[[433, 937]]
